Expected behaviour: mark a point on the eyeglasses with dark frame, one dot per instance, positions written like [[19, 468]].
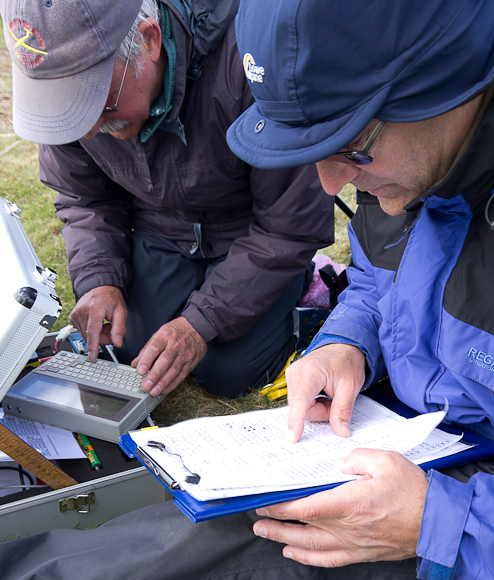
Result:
[[362, 157], [114, 109]]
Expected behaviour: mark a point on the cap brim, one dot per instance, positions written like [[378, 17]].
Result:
[[268, 144], [58, 111]]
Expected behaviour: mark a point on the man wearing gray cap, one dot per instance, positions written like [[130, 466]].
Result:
[[175, 246], [396, 98]]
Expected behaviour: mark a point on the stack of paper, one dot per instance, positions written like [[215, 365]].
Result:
[[249, 453]]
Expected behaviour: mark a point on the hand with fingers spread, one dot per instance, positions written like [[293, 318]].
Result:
[[336, 369], [376, 517], [169, 356], [105, 303]]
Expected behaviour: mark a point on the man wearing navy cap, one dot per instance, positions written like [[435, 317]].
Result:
[[394, 97]]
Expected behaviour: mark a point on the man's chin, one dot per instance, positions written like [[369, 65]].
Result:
[[120, 129]]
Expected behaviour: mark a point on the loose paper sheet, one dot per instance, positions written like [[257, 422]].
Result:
[[249, 453], [51, 442]]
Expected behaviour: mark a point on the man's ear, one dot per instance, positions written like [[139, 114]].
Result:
[[151, 32]]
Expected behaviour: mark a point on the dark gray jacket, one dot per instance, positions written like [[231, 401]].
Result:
[[268, 224]]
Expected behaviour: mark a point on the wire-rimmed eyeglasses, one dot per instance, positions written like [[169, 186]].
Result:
[[113, 109], [362, 157]]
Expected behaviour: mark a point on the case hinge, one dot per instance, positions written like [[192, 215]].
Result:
[[80, 503]]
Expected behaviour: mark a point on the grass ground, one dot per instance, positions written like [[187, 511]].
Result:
[[19, 183]]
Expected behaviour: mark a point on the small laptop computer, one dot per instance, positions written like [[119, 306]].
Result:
[[103, 399]]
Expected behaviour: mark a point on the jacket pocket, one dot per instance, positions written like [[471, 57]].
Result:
[[467, 350]]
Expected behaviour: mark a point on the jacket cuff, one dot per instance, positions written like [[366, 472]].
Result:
[[103, 279], [446, 509], [200, 323]]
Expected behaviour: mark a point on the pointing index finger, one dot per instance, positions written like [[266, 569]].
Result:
[[297, 411], [302, 387]]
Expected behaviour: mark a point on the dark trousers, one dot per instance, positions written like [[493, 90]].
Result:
[[160, 543], [165, 276]]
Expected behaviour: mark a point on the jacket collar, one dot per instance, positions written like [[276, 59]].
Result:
[[190, 30], [164, 103]]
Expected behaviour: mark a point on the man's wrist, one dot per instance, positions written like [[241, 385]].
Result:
[[98, 281]]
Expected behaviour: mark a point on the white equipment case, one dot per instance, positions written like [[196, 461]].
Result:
[[28, 301]]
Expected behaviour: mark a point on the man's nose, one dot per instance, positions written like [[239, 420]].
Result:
[[334, 174]]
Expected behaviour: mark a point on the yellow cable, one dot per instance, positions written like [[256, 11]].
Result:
[[277, 388]]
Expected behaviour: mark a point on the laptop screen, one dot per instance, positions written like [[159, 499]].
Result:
[[29, 304]]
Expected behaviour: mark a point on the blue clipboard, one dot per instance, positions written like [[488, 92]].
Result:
[[198, 511]]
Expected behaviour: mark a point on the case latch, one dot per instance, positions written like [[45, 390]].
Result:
[[79, 503]]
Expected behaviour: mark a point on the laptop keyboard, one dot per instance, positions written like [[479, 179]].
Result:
[[74, 366]]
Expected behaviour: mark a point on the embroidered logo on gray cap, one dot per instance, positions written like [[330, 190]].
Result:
[[27, 43]]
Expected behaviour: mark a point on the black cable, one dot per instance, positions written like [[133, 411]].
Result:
[[22, 474], [344, 207]]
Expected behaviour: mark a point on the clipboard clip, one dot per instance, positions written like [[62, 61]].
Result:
[[192, 478]]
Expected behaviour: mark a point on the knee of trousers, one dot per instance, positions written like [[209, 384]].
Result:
[[229, 376], [226, 379]]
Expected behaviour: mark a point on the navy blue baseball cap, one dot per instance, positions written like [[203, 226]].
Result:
[[320, 70]]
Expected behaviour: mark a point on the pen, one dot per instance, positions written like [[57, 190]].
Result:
[[89, 451]]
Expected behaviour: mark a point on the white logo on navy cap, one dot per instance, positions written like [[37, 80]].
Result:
[[253, 72]]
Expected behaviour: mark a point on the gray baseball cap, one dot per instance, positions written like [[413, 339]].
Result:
[[62, 63]]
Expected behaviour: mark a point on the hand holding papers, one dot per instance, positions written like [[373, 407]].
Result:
[[248, 454]]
